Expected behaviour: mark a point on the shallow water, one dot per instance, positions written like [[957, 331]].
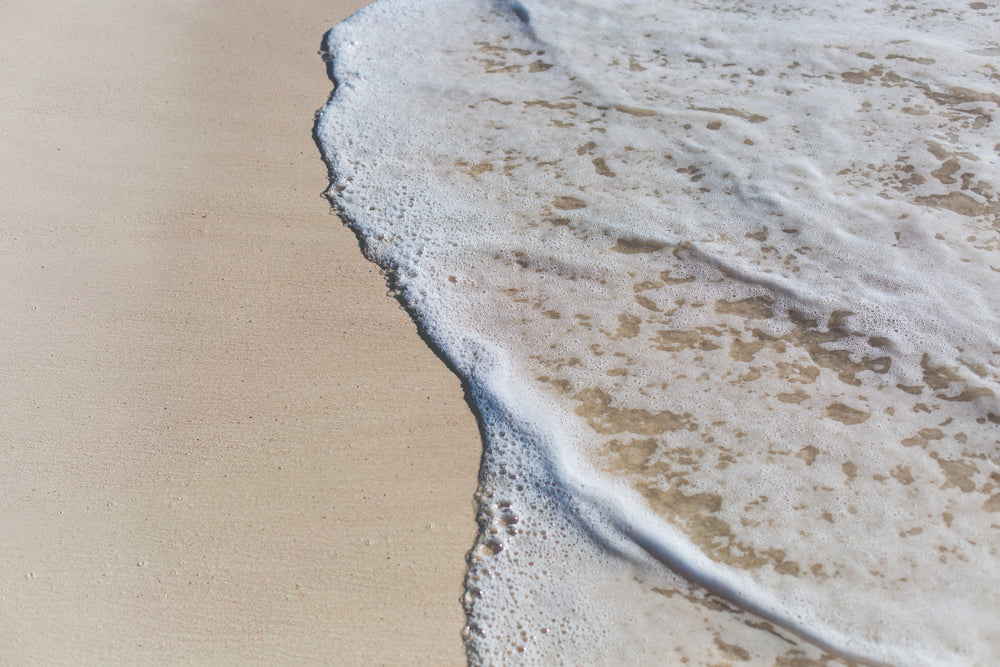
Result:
[[723, 282]]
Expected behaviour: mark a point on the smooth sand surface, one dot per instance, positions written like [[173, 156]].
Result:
[[220, 441]]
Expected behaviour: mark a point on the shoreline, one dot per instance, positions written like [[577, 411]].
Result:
[[225, 442]]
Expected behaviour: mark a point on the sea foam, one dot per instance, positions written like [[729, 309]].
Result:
[[722, 280]]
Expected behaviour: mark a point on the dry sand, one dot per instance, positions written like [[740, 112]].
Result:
[[220, 441]]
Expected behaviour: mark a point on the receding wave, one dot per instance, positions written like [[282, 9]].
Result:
[[723, 281]]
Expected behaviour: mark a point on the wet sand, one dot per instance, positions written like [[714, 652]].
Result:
[[221, 442]]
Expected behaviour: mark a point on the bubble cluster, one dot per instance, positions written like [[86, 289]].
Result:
[[724, 285]]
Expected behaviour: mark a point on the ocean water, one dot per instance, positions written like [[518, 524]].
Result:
[[723, 282]]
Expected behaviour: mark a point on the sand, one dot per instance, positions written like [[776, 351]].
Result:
[[220, 440]]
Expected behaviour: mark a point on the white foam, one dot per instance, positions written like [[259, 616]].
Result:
[[724, 281]]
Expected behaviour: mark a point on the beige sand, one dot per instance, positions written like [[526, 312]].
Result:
[[220, 442]]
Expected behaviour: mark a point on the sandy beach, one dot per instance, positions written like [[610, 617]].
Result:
[[221, 442]]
